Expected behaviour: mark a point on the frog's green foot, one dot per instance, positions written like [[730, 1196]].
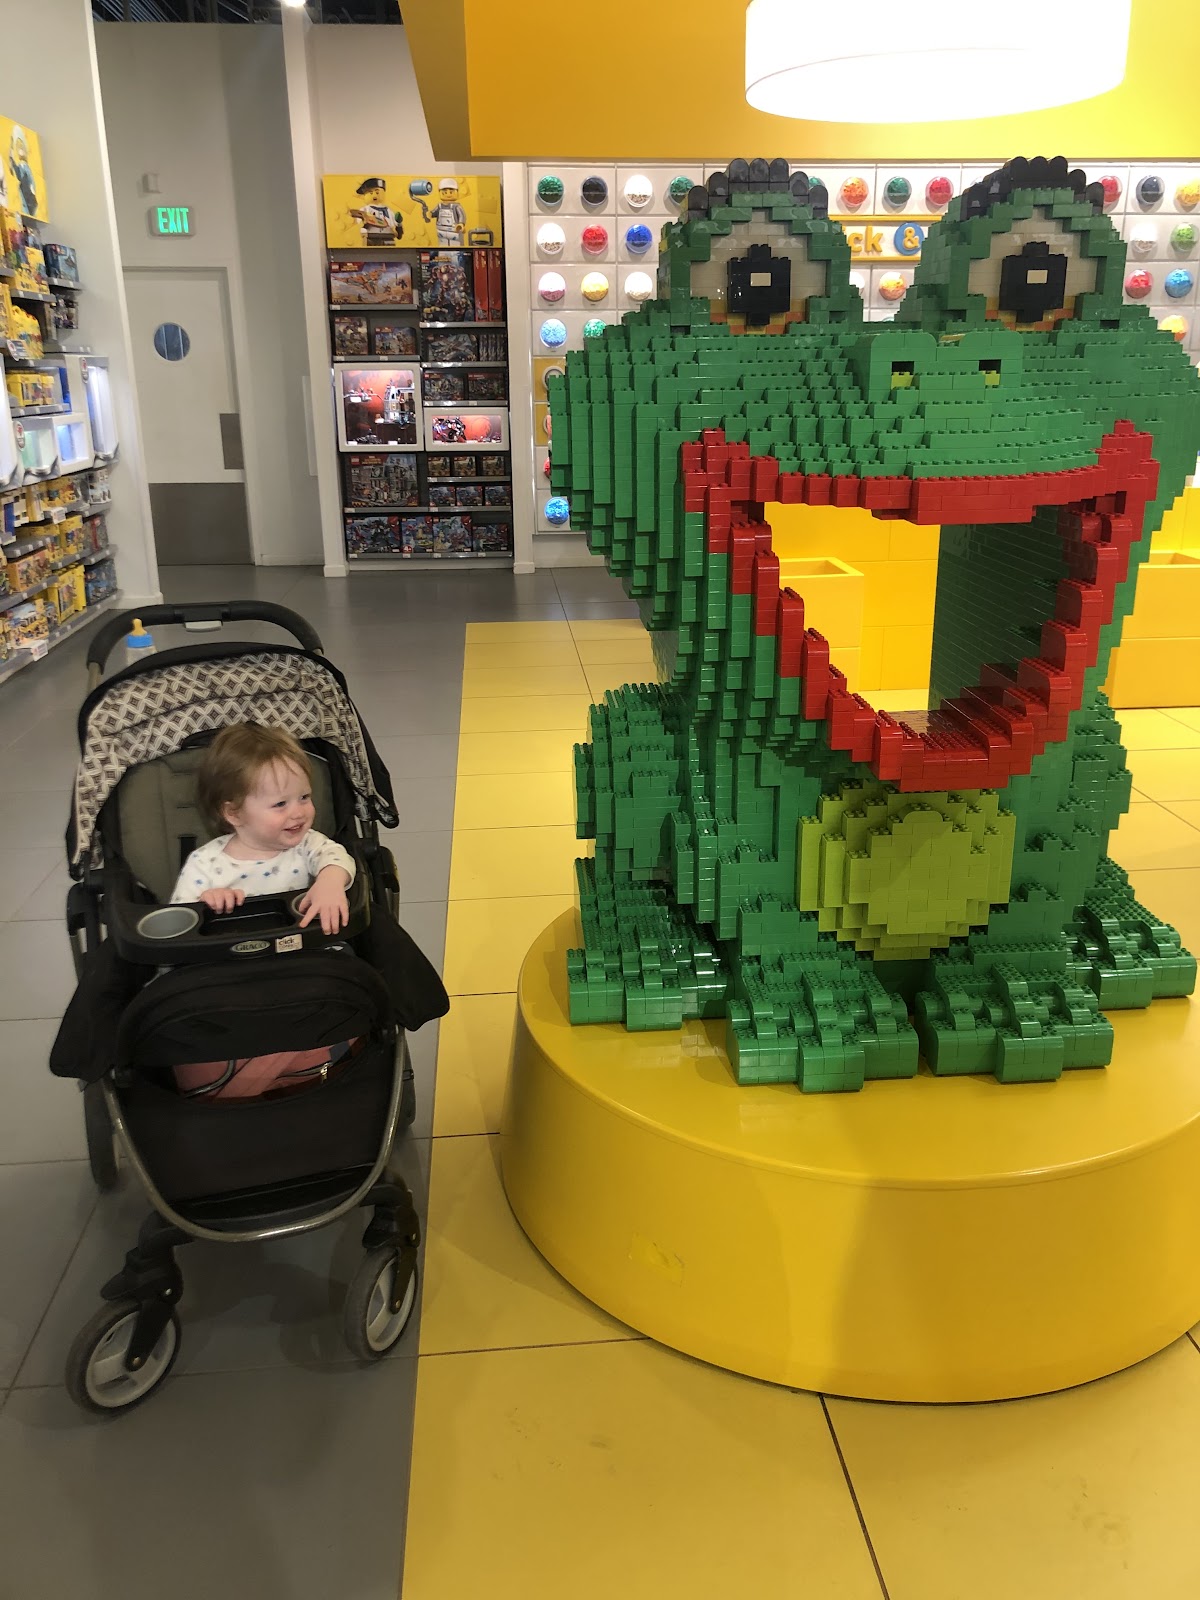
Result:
[[808, 1010], [1130, 957], [1024, 1016], [644, 962]]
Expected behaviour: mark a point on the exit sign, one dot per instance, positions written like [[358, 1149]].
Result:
[[171, 222]]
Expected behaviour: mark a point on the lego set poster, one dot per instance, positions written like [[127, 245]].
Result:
[[383, 210], [22, 181]]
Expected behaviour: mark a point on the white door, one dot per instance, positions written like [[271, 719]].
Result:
[[191, 429]]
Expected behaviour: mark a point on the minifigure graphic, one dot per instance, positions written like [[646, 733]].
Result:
[[377, 222], [18, 165], [448, 217]]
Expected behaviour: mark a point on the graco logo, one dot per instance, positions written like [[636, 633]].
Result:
[[250, 947]]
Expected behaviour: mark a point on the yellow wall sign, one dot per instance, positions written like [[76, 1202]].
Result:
[[409, 212], [885, 238], [22, 181]]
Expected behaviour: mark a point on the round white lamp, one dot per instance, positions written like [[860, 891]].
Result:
[[930, 60]]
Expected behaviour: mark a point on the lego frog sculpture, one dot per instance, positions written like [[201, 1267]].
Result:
[[845, 887]]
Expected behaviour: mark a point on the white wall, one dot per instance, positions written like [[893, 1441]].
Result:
[[370, 111], [205, 108], [61, 103]]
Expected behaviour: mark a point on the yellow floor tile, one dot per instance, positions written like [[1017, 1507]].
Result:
[[616, 674], [1156, 730], [481, 683], [474, 1047], [1166, 774], [1175, 897], [515, 800], [1150, 837], [608, 628], [486, 1287], [599, 652], [623, 1470], [486, 940], [1091, 1492], [477, 632], [1188, 715], [520, 653], [483, 753], [526, 714], [1189, 810], [500, 863]]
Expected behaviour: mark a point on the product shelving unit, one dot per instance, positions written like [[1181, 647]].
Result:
[[56, 567], [413, 438]]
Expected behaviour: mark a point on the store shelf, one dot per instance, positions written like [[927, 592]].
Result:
[[370, 305], [376, 558], [38, 411], [14, 549], [465, 363], [437, 511], [30, 294], [20, 659], [106, 554], [59, 514], [65, 283]]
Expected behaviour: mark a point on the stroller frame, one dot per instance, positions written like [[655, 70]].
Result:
[[146, 1290]]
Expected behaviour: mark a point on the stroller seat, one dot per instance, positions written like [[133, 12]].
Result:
[[158, 822]]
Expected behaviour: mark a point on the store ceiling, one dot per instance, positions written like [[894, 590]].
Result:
[[380, 11], [506, 79]]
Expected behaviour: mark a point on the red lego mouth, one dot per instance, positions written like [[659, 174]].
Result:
[[992, 730]]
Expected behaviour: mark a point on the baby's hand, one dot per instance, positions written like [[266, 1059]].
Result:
[[326, 898], [223, 899]]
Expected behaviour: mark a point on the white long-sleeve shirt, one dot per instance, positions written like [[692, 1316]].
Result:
[[291, 870]]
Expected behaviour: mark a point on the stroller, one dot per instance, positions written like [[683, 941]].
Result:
[[161, 986]]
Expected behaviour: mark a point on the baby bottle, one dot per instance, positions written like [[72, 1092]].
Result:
[[138, 643]]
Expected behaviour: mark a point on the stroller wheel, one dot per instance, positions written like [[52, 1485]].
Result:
[[96, 1376], [101, 1141], [379, 1301]]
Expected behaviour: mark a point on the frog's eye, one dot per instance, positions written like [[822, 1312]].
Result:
[[1033, 275]]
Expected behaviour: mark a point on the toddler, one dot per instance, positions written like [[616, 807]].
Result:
[[257, 782]]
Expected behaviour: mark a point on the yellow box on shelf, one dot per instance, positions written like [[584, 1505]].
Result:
[[1168, 598]]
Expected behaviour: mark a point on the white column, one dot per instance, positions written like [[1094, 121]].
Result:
[[56, 92], [304, 116]]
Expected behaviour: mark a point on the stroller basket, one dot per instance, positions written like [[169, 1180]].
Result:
[[200, 1149]]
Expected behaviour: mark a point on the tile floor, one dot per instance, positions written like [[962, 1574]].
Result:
[[271, 1468]]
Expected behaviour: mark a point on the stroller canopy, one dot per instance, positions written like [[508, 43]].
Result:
[[156, 706]]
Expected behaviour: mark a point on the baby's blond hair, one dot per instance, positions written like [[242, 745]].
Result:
[[234, 761]]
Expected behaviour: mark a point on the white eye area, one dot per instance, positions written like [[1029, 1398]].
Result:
[[1037, 277], [760, 280]]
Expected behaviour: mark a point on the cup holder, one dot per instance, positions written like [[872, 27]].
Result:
[[294, 904], [168, 922]]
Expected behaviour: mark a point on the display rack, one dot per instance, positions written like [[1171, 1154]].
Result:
[[420, 385], [593, 231], [57, 440]]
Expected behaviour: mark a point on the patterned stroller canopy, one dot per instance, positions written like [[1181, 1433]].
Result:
[[152, 709]]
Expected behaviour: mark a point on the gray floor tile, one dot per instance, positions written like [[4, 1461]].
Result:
[[422, 1050], [282, 1485], [43, 1115], [426, 921], [428, 755], [386, 703], [44, 1208], [181, 584], [34, 817], [422, 863], [35, 960], [597, 610], [44, 758], [424, 805], [48, 902], [23, 870], [244, 1306]]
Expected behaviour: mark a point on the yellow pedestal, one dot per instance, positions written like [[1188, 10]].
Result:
[[939, 1239]]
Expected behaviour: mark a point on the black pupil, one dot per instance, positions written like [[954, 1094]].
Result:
[[760, 285], [1033, 282]]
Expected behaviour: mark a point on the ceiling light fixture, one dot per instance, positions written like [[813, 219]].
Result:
[[930, 60]]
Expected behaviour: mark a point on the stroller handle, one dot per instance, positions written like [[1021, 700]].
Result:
[[111, 633]]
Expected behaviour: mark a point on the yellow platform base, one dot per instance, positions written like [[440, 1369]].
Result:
[[938, 1239]]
